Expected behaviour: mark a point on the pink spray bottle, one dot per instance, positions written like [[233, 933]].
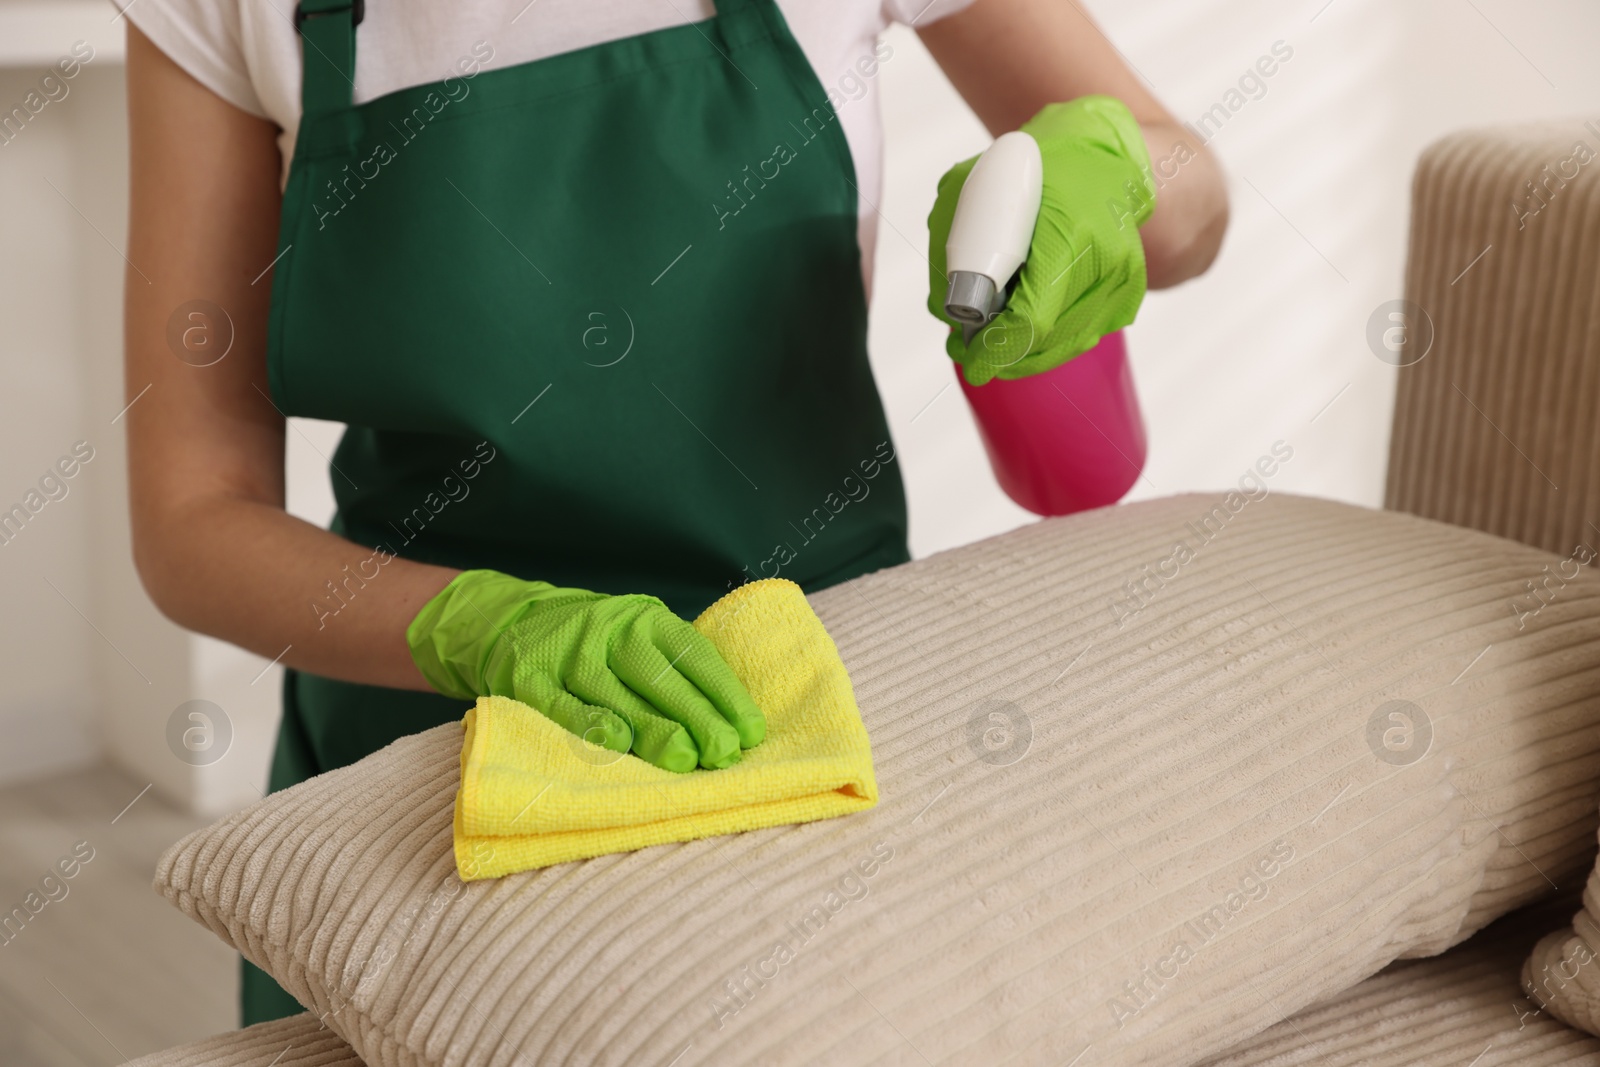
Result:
[[1068, 439]]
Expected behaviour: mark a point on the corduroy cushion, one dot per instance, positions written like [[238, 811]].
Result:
[[1563, 971], [1137, 798], [1461, 1009], [298, 1041], [1449, 1011]]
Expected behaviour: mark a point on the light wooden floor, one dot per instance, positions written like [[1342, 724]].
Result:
[[111, 971]]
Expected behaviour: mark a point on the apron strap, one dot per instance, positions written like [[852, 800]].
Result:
[[328, 35], [740, 22]]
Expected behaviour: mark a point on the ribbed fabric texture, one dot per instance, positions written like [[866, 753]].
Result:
[[298, 1041], [1498, 427], [533, 794], [1461, 1009], [1066, 799], [1562, 973]]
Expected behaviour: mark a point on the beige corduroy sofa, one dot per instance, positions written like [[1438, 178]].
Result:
[[1272, 633]]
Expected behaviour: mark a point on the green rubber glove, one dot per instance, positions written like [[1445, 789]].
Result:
[[1084, 276], [622, 672]]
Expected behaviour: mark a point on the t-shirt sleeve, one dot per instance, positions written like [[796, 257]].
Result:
[[202, 37], [921, 12]]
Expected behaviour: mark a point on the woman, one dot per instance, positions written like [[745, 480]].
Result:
[[581, 405]]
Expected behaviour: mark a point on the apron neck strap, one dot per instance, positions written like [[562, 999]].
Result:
[[742, 21], [328, 34]]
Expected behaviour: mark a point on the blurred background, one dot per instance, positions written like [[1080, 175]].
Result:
[[1270, 345]]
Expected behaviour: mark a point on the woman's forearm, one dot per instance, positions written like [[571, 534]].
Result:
[[249, 573], [1184, 232], [213, 544]]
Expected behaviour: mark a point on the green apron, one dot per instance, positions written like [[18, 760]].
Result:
[[596, 319]]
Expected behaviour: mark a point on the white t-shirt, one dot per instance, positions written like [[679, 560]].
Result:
[[247, 52]]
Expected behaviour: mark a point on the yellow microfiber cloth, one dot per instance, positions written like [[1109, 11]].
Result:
[[532, 794]]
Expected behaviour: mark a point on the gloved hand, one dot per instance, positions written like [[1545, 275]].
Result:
[[622, 672], [1084, 275]]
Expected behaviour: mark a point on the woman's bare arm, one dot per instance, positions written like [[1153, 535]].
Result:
[[1009, 58], [212, 542]]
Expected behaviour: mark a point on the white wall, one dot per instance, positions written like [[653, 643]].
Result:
[[47, 707], [90, 668], [1225, 365], [1254, 350], [50, 654]]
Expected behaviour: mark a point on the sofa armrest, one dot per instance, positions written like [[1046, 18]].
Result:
[[1497, 425]]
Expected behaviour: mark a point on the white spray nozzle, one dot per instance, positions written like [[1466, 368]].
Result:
[[992, 228]]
